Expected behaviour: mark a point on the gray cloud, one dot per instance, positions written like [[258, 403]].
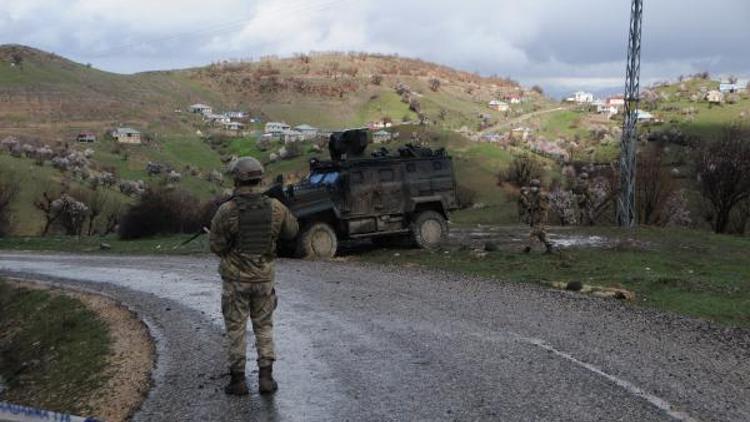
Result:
[[560, 44]]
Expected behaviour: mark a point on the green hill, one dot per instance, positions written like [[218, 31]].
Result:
[[48, 100]]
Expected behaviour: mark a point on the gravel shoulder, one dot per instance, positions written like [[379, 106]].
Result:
[[372, 342]]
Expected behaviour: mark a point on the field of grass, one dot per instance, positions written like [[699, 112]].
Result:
[[54, 350], [689, 272], [565, 123], [166, 245]]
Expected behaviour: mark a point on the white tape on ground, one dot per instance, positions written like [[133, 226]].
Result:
[[626, 385], [10, 412]]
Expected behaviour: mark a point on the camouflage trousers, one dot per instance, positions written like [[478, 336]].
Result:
[[240, 301], [538, 233]]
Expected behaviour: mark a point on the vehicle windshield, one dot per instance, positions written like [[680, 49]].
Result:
[[326, 178]]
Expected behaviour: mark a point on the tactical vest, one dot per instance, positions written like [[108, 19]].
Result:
[[255, 235]]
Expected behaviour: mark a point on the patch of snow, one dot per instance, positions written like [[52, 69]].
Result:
[[577, 241]]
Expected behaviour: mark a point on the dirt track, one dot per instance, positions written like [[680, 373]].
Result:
[[372, 343]]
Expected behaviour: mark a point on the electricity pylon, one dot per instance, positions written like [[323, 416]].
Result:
[[626, 212]]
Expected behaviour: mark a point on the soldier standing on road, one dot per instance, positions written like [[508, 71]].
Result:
[[244, 232], [533, 206]]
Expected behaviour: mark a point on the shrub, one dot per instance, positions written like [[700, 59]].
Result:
[[465, 196], [161, 211], [521, 171]]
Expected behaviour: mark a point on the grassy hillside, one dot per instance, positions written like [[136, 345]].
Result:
[[47, 100]]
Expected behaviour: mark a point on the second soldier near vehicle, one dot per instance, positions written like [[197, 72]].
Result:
[[532, 208], [244, 233]]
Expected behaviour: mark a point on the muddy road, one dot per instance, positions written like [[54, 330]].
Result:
[[361, 342]]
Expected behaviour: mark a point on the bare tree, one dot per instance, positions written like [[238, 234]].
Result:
[[654, 186], [723, 172], [96, 201], [740, 217], [44, 204], [8, 191], [16, 59]]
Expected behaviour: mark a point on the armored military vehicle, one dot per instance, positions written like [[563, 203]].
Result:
[[384, 196]]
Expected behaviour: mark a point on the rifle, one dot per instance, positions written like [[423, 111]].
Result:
[[202, 231]]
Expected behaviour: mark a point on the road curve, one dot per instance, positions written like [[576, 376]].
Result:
[[361, 342]]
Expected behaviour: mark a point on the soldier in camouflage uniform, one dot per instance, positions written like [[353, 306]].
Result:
[[532, 208], [584, 200], [244, 232]]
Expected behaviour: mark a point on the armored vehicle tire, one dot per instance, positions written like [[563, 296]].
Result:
[[429, 229], [317, 241]]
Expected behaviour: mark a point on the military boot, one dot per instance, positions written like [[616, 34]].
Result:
[[237, 385], [266, 383]]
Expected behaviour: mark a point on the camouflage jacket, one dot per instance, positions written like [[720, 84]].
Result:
[[224, 229], [533, 206]]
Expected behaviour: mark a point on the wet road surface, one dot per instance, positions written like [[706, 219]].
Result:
[[361, 342]]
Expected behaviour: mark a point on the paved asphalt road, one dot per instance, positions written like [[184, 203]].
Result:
[[359, 342]]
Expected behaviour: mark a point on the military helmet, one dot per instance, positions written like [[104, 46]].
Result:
[[535, 183], [246, 169]]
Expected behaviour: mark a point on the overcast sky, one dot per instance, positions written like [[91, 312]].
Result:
[[560, 44]]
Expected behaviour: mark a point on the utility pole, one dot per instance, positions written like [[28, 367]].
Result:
[[626, 212]]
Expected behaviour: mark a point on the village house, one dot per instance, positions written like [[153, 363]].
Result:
[[714, 97], [307, 131], [610, 106], [513, 98], [381, 136], [581, 97], [291, 136], [216, 119], [379, 124], [276, 128], [728, 88], [86, 137], [126, 135], [644, 116], [201, 109], [235, 114], [234, 126], [499, 105], [617, 101]]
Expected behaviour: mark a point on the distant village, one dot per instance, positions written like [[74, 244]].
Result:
[[239, 123], [609, 108]]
